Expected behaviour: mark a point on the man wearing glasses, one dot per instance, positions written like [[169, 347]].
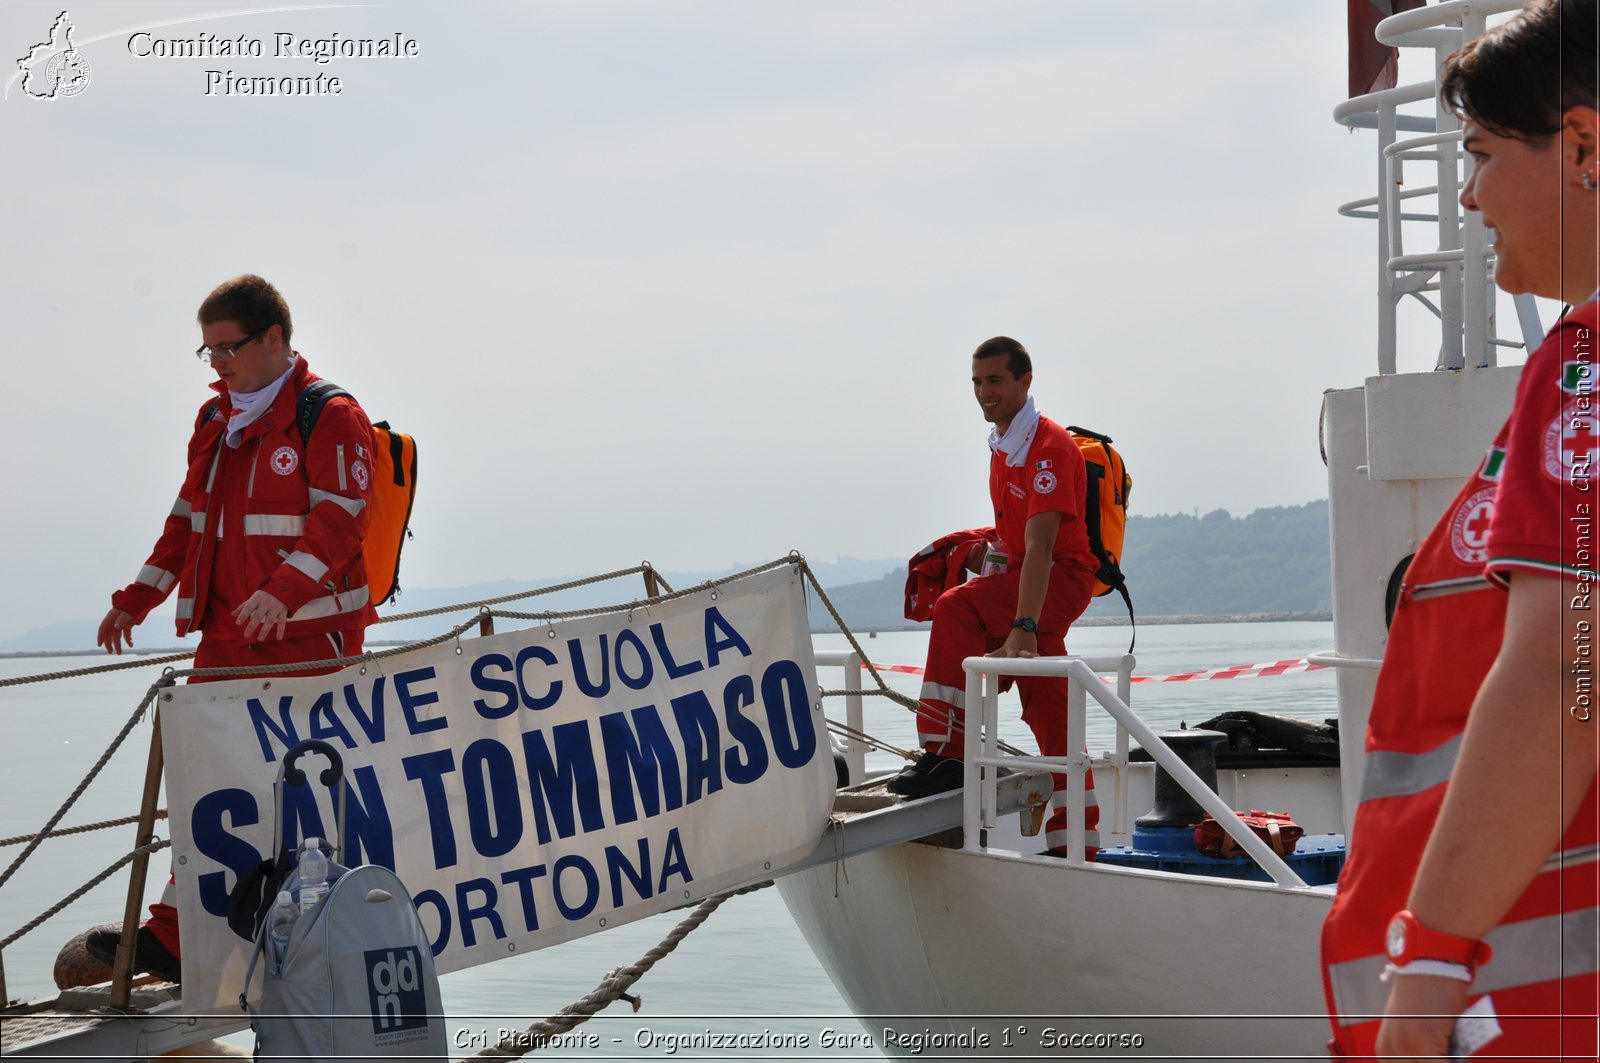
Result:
[[264, 542]]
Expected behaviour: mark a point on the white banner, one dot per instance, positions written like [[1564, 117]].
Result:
[[529, 787]]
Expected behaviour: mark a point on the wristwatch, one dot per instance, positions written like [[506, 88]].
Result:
[[1026, 623], [1407, 940]]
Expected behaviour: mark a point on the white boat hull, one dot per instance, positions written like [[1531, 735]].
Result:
[[923, 938]]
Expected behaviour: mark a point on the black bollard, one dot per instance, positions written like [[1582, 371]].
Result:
[[1174, 807]]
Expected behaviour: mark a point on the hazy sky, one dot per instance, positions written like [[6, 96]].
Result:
[[688, 281]]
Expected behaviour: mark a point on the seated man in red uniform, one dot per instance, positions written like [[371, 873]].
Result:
[[1023, 606], [264, 542]]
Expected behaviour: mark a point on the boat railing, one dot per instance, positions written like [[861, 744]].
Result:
[[1458, 268], [855, 749], [984, 760]]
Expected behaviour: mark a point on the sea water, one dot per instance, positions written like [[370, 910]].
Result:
[[746, 972]]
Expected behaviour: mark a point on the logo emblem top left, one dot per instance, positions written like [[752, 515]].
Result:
[[54, 69]]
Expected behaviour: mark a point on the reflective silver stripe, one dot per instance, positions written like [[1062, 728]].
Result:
[[338, 451], [352, 506], [331, 605], [1057, 839], [185, 608], [1391, 774], [211, 477], [274, 524], [181, 507], [954, 696], [159, 578], [255, 459], [1525, 953], [307, 563], [197, 521], [1440, 588]]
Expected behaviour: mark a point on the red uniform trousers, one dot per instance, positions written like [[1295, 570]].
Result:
[[974, 619], [221, 653]]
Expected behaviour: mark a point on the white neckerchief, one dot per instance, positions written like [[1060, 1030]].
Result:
[[1019, 437], [248, 406]]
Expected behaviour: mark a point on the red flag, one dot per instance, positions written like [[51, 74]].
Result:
[[1373, 66]]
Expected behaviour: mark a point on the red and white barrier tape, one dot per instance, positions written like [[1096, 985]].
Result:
[[1238, 671]]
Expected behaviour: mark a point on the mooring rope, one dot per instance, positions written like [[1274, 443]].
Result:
[[844, 730], [143, 850], [85, 828], [644, 568], [118, 666], [612, 988], [883, 688], [99, 765], [640, 569]]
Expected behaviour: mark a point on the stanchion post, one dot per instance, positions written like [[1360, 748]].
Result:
[[122, 968]]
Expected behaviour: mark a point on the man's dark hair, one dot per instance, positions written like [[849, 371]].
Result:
[[1518, 79], [248, 300], [1016, 354]]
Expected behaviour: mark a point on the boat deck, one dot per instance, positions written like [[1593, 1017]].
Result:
[[79, 1023]]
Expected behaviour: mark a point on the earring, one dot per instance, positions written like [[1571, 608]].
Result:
[[1587, 180]]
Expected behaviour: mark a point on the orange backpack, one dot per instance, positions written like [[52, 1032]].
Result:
[[394, 489], [1106, 510]]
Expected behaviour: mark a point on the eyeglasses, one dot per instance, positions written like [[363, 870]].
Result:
[[226, 351]]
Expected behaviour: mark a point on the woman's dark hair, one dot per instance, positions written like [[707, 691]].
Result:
[[1518, 79]]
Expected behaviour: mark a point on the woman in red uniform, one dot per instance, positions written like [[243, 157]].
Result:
[[1482, 741]]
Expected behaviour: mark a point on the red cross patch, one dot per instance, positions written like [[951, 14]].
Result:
[[284, 461], [1469, 527]]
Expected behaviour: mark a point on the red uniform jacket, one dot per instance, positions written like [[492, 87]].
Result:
[[276, 514], [937, 567]]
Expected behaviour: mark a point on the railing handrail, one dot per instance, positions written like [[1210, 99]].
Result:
[[1466, 309], [1081, 672], [1395, 29]]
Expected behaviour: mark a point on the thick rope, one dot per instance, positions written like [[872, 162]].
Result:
[[99, 765], [75, 673], [871, 741], [85, 828], [646, 603], [613, 987], [152, 847], [520, 595], [894, 695]]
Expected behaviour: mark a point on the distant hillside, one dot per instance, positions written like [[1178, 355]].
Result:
[[1271, 561], [156, 632]]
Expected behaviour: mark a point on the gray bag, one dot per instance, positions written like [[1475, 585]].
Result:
[[356, 981]]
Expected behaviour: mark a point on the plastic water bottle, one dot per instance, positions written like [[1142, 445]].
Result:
[[280, 923], [313, 874]]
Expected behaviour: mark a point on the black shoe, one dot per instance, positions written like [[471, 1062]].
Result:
[[931, 774], [912, 773], [149, 954]]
